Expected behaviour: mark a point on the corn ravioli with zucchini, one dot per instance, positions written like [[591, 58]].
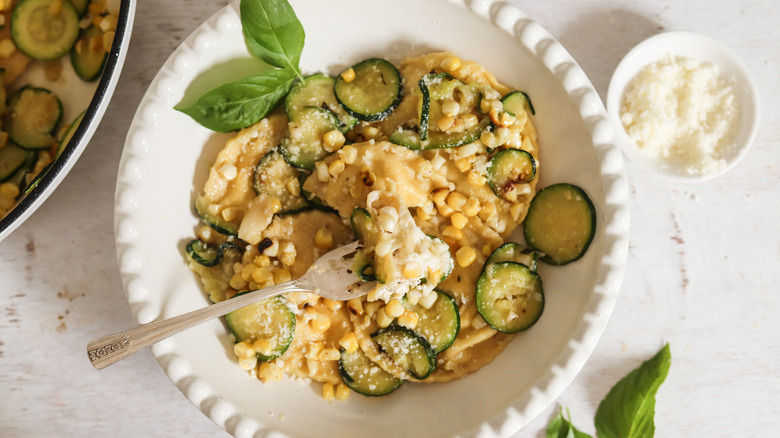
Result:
[[432, 164]]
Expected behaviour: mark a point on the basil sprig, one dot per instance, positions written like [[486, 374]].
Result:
[[628, 410], [274, 34]]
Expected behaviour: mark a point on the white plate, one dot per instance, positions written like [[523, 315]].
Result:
[[76, 96], [704, 49], [165, 161]]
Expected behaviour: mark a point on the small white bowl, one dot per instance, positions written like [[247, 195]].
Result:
[[701, 48]]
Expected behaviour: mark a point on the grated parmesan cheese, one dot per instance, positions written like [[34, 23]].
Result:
[[681, 111]]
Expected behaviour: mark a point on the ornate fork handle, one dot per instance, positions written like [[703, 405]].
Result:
[[110, 349]]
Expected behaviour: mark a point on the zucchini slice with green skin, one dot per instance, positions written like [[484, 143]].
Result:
[[439, 140], [34, 114], [41, 35], [440, 324], [361, 222], [69, 134], [317, 90], [273, 176], [509, 296], [81, 6], [517, 102], [374, 93], [514, 252], [214, 221], [12, 159], [88, 62], [269, 319], [364, 376], [313, 200], [209, 255], [304, 146], [561, 223], [509, 169], [407, 349]]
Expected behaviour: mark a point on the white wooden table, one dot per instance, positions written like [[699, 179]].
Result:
[[702, 266]]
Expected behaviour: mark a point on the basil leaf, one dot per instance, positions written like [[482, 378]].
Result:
[[560, 427], [242, 103], [628, 409], [273, 32]]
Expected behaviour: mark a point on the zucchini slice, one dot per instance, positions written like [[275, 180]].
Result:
[[12, 159], [561, 223], [34, 113], [440, 324], [273, 176], [509, 296], [364, 376], [361, 222], [81, 6], [435, 90], [88, 61], [41, 34], [209, 255], [517, 102], [317, 90], [214, 221], [304, 146], [407, 349], [313, 200], [508, 170], [514, 252], [268, 319], [374, 92]]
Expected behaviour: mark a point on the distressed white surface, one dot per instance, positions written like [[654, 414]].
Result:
[[702, 269]]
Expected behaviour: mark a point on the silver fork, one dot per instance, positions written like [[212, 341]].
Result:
[[331, 276]]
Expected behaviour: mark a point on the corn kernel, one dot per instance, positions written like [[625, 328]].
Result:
[[440, 195], [333, 140], [329, 354], [237, 283], [287, 259], [450, 108], [9, 190], [459, 220], [328, 391], [229, 214], [243, 349], [332, 305], [465, 256], [355, 305], [445, 122], [427, 301], [263, 346], [348, 75], [438, 161], [451, 64], [489, 139], [394, 308], [349, 342], [371, 132], [320, 323], [263, 277], [262, 261], [272, 250], [476, 179], [422, 214], [336, 167], [247, 271], [452, 232], [487, 250], [487, 211], [322, 171], [294, 187], [323, 239], [445, 210], [463, 164], [516, 210], [7, 48], [470, 120], [383, 248], [269, 372], [382, 318], [342, 392], [413, 296], [247, 363], [456, 201], [282, 275], [348, 154], [468, 150], [472, 207], [409, 319], [412, 270]]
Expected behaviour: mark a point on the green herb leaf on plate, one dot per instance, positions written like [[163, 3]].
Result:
[[242, 103], [561, 427], [273, 32], [629, 408]]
